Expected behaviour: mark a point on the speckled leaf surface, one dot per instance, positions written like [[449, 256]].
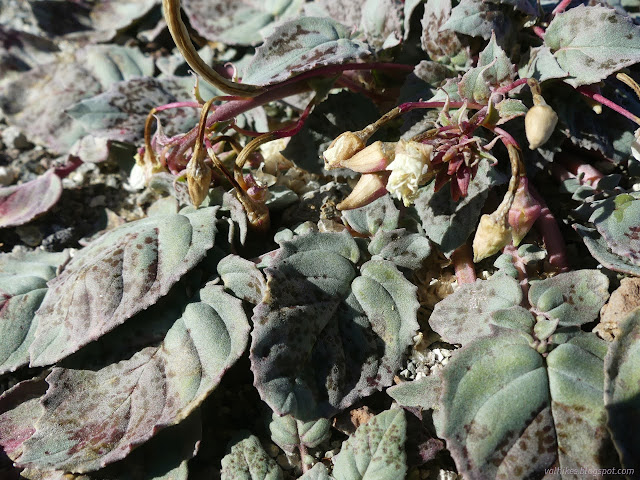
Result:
[[505, 412], [19, 204], [617, 221], [574, 298], [19, 410], [440, 45], [238, 22], [120, 112], [465, 315], [68, 79], [116, 276], [542, 65], [375, 450], [422, 392], [324, 338], [23, 284], [380, 215], [382, 22], [289, 433], [301, 45], [622, 390], [407, 250], [243, 278], [494, 69], [94, 417], [589, 58], [477, 19], [448, 223], [599, 250], [317, 472], [247, 460]]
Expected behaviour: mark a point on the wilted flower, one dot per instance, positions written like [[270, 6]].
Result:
[[524, 211], [492, 235], [342, 148], [370, 187], [408, 170], [198, 178], [373, 158]]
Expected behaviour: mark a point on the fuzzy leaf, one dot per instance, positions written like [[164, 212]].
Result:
[[376, 449], [442, 46], [19, 204], [617, 221], [406, 250], [301, 45], [422, 393], [380, 215], [23, 284], [542, 65], [247, 460], [120, 112], [94, 417], [238, 22], [586, 57], [116, 276], [622, 390], [323, 339], [599, 250], [382, 23], [465, 314], [574, 298], [243, 278], [509, 109], [494, 70], [507, 412], [317, 472], [477, 19], [289, 433], [448, 223], [117, 14]]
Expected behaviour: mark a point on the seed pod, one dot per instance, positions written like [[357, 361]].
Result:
[[492, 235], [342, 148], [539, 124], [370, 187], [198, 179]]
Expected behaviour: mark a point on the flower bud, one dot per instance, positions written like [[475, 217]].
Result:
[[198, 178], [492, 235], [524, 211], [342, 148], [373, 158], [370, 187], [408, 169], [539, 124]]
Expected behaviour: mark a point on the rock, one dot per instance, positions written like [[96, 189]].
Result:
[[7, 176], [14, 138], [625, 299]]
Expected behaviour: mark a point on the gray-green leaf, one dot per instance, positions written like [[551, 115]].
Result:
[[247, 460]]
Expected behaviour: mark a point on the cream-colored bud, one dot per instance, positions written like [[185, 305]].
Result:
[[370, 187], [342, 148], [198, 179], [539, 124], [492, 235], [373, 158]]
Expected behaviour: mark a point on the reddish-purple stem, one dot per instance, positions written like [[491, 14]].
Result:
[[605, 101], [506, 138], [462, 259], [561, 7], [539, 31], [407, 107], [507, 88], [167, 106], [553, 240], [575, 165]]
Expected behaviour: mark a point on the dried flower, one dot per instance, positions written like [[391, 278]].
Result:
[[539, 123], [342, 148], [198, 178], [492, 235], [408, 170], [524, 211], [370, 187], [373, 158]]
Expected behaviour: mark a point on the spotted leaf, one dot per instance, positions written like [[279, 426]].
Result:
[[118, 275], [289, 433], [247, 460], [617, 221], [93, 417]]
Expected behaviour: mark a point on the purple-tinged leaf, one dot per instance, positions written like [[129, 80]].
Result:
[[19, 410], [622, 390], [95, 417], [599, 250], [116, 276], [302, 45], [120, 112], [448, 223], [616, 220], [19, 204], [247, 460], [23, 284], [465, 315], [505, 411], [323, 339], [238, 22], [375, 450], [588, 57], [242, 278], [494, 70], [573, 298], [477, 19]]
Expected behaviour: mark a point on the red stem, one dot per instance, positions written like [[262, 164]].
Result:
[[576, 166], [539, 31], [605, 101], [551, 235], [178, 105], [511, 86], [462, 259], [561, 7]]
